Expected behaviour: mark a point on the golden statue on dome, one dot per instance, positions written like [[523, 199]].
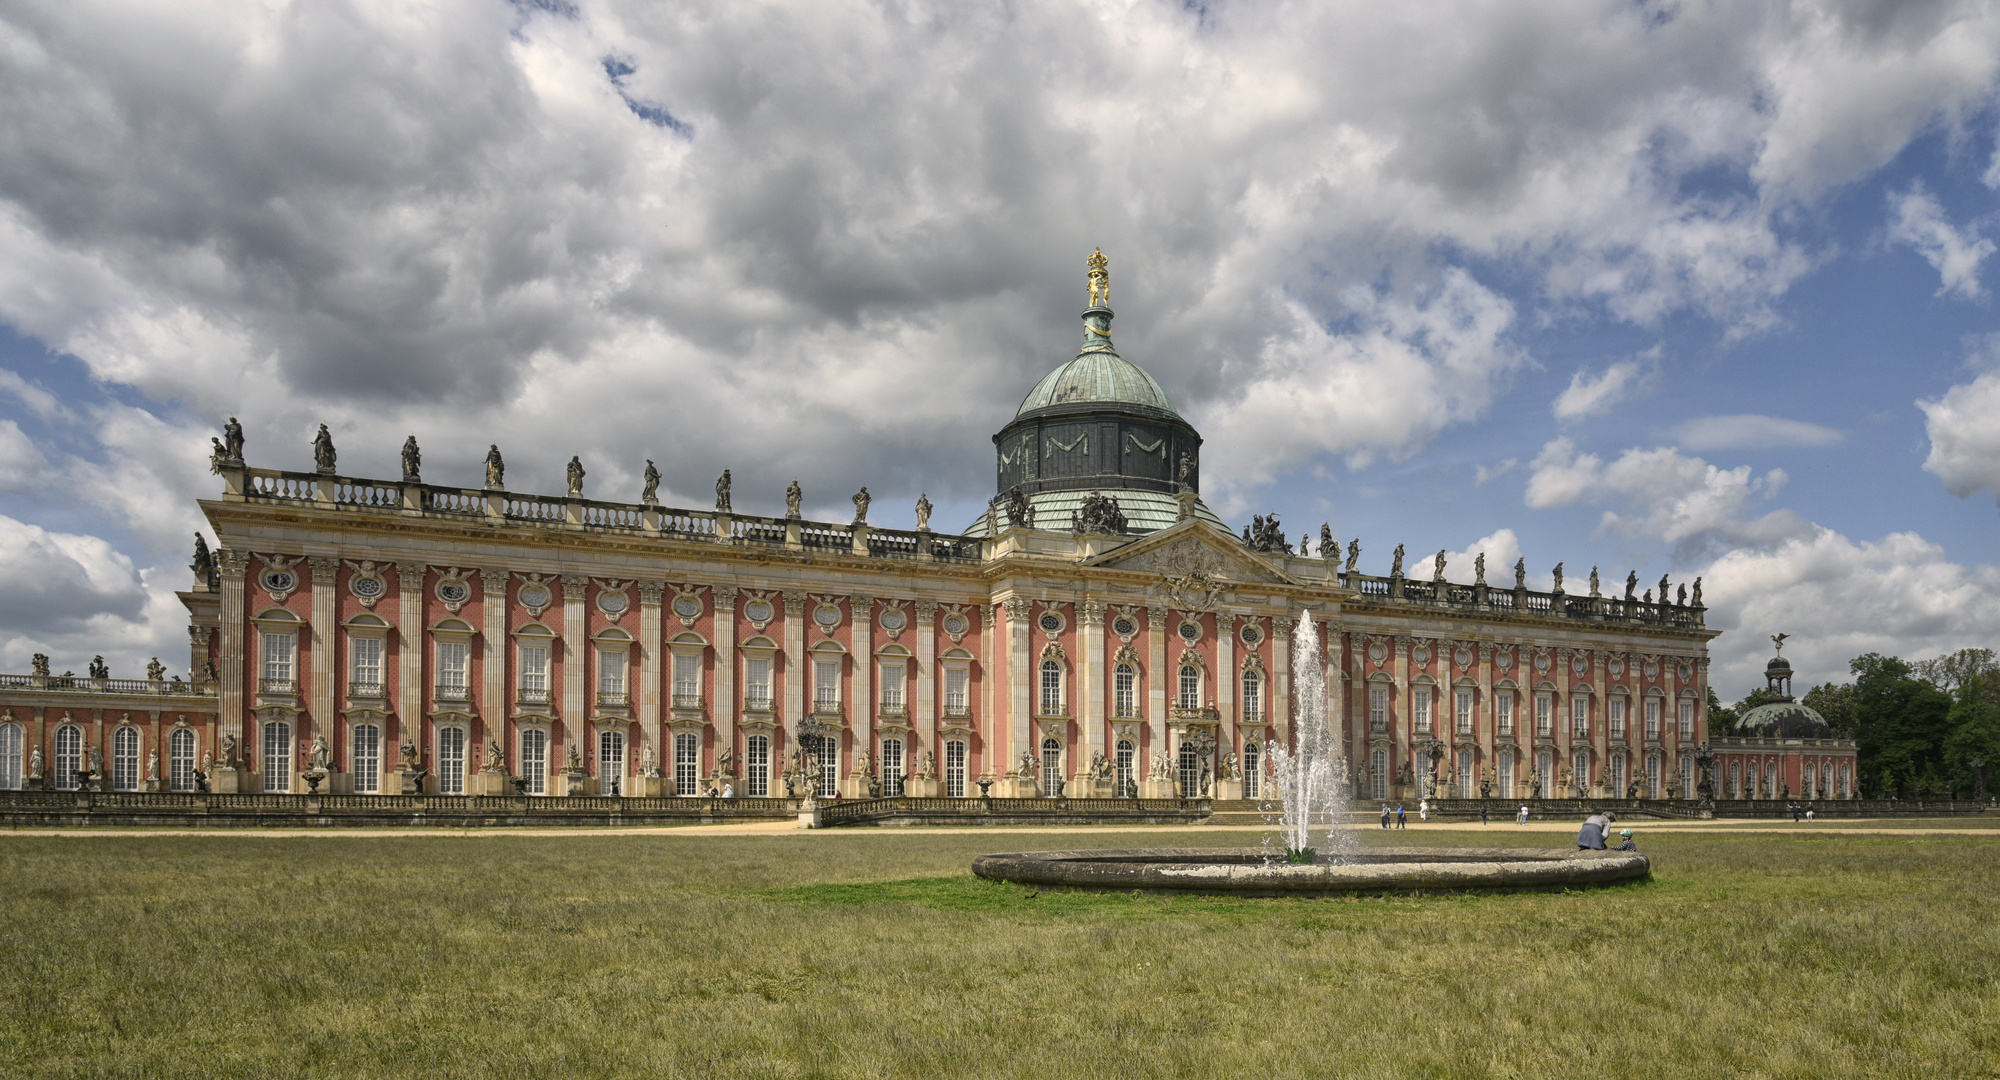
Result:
[[1100, 280]]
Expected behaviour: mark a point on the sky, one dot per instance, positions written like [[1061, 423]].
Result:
[[1702, 290]]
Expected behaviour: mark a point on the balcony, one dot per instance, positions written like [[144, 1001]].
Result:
[[532, 695], [686, 701], [893, 710], [613, 699], [452, 692], [957, 712], [1253, 716], [757, 703], [280, 687], [365, 690]]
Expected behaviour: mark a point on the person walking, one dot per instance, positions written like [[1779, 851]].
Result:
[[1482, 814], [1521, 818], [1402, 818], [1385, 816], [1423, 810]]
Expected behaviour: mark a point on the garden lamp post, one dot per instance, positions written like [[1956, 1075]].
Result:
[[1202, 742], [1704, 760], [812, 739], [1435, 751]]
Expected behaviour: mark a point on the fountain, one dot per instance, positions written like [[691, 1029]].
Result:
[[1319, 858]]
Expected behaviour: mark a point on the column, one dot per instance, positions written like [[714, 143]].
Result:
[[409, 704], [1281, 677], [1157, 680], [795, 658], [1090, 723], [992, 756], [1565, 719], [647, 677], [925, 718], [1020, 685], [1600, 711], [1225, 681], [1356, 647], [1402, 721], [722, 696], [493, 661], [861, 710], [1488, 732], [229, 667], [576, 635], [326, 662]]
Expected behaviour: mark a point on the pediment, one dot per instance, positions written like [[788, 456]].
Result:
[[1196, 561]]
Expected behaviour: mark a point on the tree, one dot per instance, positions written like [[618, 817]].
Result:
[[1975, 732], [1721, 718], [1901, 725], [1835, 702], [1954, 670]]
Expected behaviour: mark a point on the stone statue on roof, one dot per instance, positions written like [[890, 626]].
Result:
[[1437, 566], [1558, 573], [323, 456], [923, 512], [1396, 567], [650, 495], [1329, 548], [1100, 279], [793, 497], [861, 501], [496, 469], [1353, 553], [1631, 584], [1697, 592], [1663, 588], [413, 461], [232, 441], [575, 475], [1479, 569], [1521, 573], [1593, 581], [722, 493]]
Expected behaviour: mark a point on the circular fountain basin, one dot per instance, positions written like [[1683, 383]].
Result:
[[1249, 871]]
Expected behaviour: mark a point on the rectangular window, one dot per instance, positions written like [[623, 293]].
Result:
[[1253, 698], [1378, 774], [1506, 771], [180, 759], [1545, 707], [535, 760], [892, 768], [1125, 691], [611, 677], [278, 653], [10, 757], [451, 760], [1253, 771], [1687, 721], [277, 757], [826, 685], [1378, 711], [364, 758], [687, 681], [451, 670], [364, 668], [892, 689], [1652, 721], [757, 686], [956, 680], [1503, 704], [534, 675], [1122, 771], [1579, 708], [611, 763], [1420, 707], [125, 759], [757, 765], [954, 769], [1465, 712], [1617, 718], [1052, 688], [687, 764]]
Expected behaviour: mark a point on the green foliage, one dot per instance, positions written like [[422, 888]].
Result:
[[1975, 732], [1902, 723], [1763, 695], [1768, 953], [1721, 718], [1834, 702]]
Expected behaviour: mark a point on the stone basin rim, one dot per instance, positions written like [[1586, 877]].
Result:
[[1242, 871]]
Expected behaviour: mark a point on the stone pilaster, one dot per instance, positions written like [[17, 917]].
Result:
[[1281, 677], [1224, 691], [575, 665], [1020, 683], [925, 718], [861, 617], [795, 658], [722, 696], [993, 756], [1158, 678], [327, 663], [1092, 720], [1402, 718], [649, 672], [492, 667], [229, 664]]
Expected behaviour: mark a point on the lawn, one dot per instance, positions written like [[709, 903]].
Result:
[[877, 954]]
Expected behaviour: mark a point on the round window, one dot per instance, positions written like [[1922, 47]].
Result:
[[1190, 632], [827, 615], [759, 611], [687, 607], [893, 619], [1252, 634], [1124, 627], [453, 592], [280, 581], [1422, 655], [1503, 660], [1052, 623], [956, 625], [367, 587], [535, 596], [611, 603]]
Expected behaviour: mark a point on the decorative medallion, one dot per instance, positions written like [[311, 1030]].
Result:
[[1378, 650], [1189, 630], [827, 615], [366, 583], [1422, 655], [612, 598], [1252, 634], [688, 604], [1503, 659], [1617, 668], [1579, 664], [956, 624], [280, 577], [760, 611], [1125, 627], [1051, 621], [1684, 673], [535, 594], [452, 589], [1652, 669], [1463, 657], [1542, 661], [893, 619]]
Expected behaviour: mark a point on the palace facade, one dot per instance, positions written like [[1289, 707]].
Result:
[[1097, 632]]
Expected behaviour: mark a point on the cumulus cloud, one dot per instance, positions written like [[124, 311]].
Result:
[[1751, 430], [1916, 219], [1589, 394], [1840, 598], [64, 594], [1964, 429], [1665, 496]]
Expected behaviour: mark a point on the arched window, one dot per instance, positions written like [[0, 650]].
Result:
[[757, 766], [825, 751], [1122, 771], [1688, 777], [892, 768], [954, 769], [1378, 712], [1191, 773], [1468, 775], [1736, 779], [1580, 771], [1052, 688], [534, 760], [277, 756], [1253, 698], [610, 761], [1654, 763], [1125, 690], [1618, 784], [1051, 768], [364, 758], [1190, 696], [10, 757], [1378, 774], [68, 757], [1751, 771], [1506, 770], [1545, 775], [180, 759], [687, 762], [451, 760], [1846, 782], [1253, 762], [125, 759]]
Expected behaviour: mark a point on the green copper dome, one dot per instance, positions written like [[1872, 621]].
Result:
[[1097, 375]]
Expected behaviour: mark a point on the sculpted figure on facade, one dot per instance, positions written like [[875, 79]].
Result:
[[793, 497], [1100, 516], [650, 494], [1396, 565], [1697, 592], [232, 441], [155, 671], [1663, 588], [649, 763], [575, 475], [927, 770], [496, 757], [1100, 766], [722, 493], [725, 762], [1681, 597], [1353, 554], [496, 469], [1100, 280], [1557, 573], [321, 755], [1186, 470], [1020, 514], [413, 462], [1027, 768], [35, 763], [1479, 569], [1521, 573], [323, 456], [407, 752], [861, 501], [923, 512], [1437, 567], [1593, 581], [153, 763], [1631, 585], [99, 669], [1329, 548], [572, 760], [218, 457]]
